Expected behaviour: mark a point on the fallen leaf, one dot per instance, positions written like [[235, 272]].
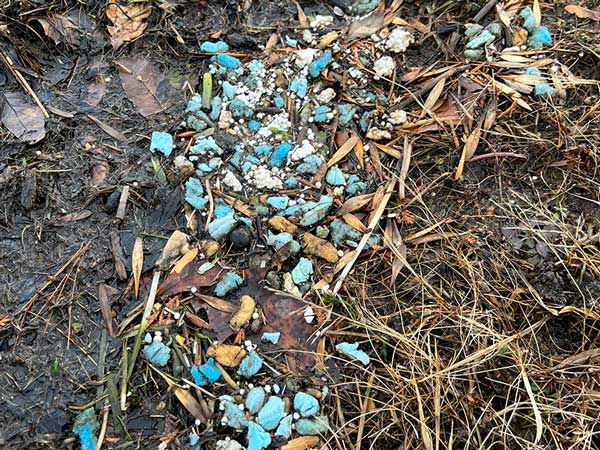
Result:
[[74, 216], [190, 403], [61, 27], [140, 79], [217, 303], [354, 222], [343, 150], [137, 262], [583, 13], [105, 308], [367, 25], [23, 119], [227, 355], [302, 443], [433, 97], [113, 132], [537, 13], [301, 16], [185, 260], [95, 92], [354, 203], [129, 21], [184, 281], [176, 246]]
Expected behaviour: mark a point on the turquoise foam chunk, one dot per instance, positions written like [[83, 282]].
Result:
[[196, 123], [318, 212], [214, 47], [215, 108], [236, 159], [235, 416], [206, 374], [250, 365], [229, 90], [203, 146], [362, 7], [529, 22], [253, 125], [351, 350], [344, 234], [318, 65], [299, 86], [325, 392], [205, 267], [540, 38], [278, 100], [271, 413], [258, 438], [291, 42], [475, 55], [262, 210], [223, 210], [322, 114], [194, 104], [285, 427], [335, 177], [472, 30], [306, 404], [355, 185], [157, 353], [161, 142], [281, 239], [312, 427], [544, 90], [483, 38], [204, 168], [279, 156], [228, 61], [85, 428], [294, 210], [255, 399], [278, 202], [495, 29], [215, 162], [291, 182], [194, 193], [193, 440], [303, 270], [365, 120], [219, 228], [228, 282], [239, 109], [273, 338], [346, 113], [263, 150], [311, 164], [256, 67]]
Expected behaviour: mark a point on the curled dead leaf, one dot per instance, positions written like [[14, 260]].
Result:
[[129, 21], [176, 246], [227, 355], [244, 314]]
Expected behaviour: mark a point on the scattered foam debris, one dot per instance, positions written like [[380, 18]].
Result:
[[351, 350], [85, 428]]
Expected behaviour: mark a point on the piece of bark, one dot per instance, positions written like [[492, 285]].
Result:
[[117, 254]]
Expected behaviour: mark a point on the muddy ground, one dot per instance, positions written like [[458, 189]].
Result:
[[59, 198]]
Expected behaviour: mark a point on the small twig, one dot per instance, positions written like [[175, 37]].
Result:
[[483, 11], [123, 203]]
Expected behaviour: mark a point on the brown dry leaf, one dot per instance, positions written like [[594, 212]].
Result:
[[491, 114], [105, 308], [583, 13], [472, 142], [176, 246], [74, 216], [354, 222], [367, 25], [343, 150], [537, 13], [184, 281], [433, 97], [129, 21], [302, 443], [359, 150], [95, 92], [140, 79], [185, 260], [227, 355], [23, 119], [344, 260], [113, 132], [137, 261], [217, 303], [394, 153], [301, 16], [190, 403], [60, 28], [354, 204]]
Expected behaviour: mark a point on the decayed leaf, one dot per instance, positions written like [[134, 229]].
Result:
[[140, 79], [227, 355], [59, 28], [344, 260], [190, 403], [105, 308], [185, 260], [537, 13], [129, 21], [433, 97], [583, 13], [345, 148], [189, 278], [217, 303], [354, 222], [354, 204], [359, 150], [367, 25], [23, 119], [302, 443], [176, 246], [301, 16], [244, 314], [108, 129], [137, 261]]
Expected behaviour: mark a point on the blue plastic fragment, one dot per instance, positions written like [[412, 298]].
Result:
[[271, 413], [318, 65], [285, 427], [540, 38], [193, 440], [194, 193], [312, 427], [228, 282], [542, 88], [161, 142], [529, 22], [85, 427], [228, 61], [215, 108], [214, 47], [278, 240], [351, 350], [365, 120], [258, 438], [318, 212], [335, 177], [278, 100], [236, 159], [229, 90], [235, 416], [279, 156], [291, 42], [219, 228], [362, 7], [278, 202], [223, 210], [206, 374], [255, 400], [157, 353], [322, 114], [306, 404], [299, 86], [256, 67], [346, 113], [324, 392], [250, 365], [291, 182], [253, 125], [263, 150], [311, 164], [273, 338], [202, 146], [303, 270]]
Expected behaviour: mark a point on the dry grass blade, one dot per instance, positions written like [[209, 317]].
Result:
[[354, 222], [539, 423], [537, 13], [105, 309], [425, 431], [433, 97], [344, 149], [137, 262], [190, 403], [404, 169]]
